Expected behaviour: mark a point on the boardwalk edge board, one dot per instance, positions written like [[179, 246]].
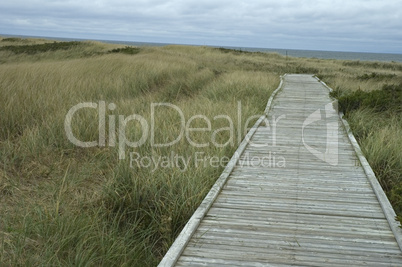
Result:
[[379, 192], [189, 229]]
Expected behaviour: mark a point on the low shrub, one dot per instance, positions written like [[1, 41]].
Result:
[[126, 50], [375, 75], [40, 48], [389, 99], [233, 51], [12, 39]]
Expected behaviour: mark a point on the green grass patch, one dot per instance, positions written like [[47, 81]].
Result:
[[377, 76], [388, 99], [129, 50], [13, 40], [40, 48], [375, 65], [233, 51]]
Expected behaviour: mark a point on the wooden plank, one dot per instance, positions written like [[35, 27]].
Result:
[[197, 261], [348, 223], [299, 244], [293, 237], [336, 181], [292, 227], [264, 201], [283, 198], [288, 256], [302, 179], [323, 174], [298, 187], [300, 240], [322, 210]]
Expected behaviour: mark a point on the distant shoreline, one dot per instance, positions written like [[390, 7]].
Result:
[[319, 54]]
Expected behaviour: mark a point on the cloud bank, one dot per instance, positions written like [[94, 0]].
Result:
[[362, 26]]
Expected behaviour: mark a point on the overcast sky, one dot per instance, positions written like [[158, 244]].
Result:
[[354, 25]]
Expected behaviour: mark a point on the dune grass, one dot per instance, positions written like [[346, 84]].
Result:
[[66, 205]]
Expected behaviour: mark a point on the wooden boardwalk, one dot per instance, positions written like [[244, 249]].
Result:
[[297, 194]]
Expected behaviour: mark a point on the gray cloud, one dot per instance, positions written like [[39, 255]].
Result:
[[357, 25]]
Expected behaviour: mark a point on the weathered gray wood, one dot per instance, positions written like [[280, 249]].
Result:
[[291, 256], [294, 237], [309, 212]]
